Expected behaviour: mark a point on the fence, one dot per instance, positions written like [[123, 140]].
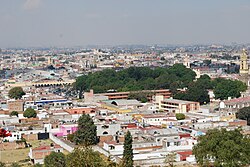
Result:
[[61, 143]]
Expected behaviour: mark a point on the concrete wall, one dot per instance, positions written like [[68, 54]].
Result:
[[61, 143]]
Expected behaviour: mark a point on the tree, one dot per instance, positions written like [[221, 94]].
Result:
[[14, 113], [140, 96], [70, 137], [222, 148], [2, 164], [86, 134], [170, 159], [179, 116], [37, 165], [30, 113], [224, 88], [204, 82], [55, 159], [80, 85], [84, 156], [127, 160], [16, 93], [194, 93], [110, 163], [173, 87], [15, 165], [244, 113], [135, 79]]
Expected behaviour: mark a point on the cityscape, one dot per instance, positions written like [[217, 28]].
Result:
[[103, 94]]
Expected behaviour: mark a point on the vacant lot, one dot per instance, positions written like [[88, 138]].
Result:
[[11, 156]]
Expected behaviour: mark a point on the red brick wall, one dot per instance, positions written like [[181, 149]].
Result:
[[238, 123]]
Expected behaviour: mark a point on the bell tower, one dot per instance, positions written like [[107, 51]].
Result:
[[244, 69]]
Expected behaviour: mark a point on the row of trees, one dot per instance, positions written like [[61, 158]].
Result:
[[28, 113], [144, 78], [223, 88], [134, 79]]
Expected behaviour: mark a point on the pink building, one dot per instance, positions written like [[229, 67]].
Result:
[[64, 130]]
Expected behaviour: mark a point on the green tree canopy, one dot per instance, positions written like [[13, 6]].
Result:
[[55, 159], [170, 159], [16, 93], [134, 79], [224, 88], [80, 85], [37, 165], [14, 113], [127, 160], [223, 148], [195, 92], [86, 134], [85, 157], [15, 165], [30, 113], [141, 96], [2, 164], [179, 116], [70, 137], [244, 113]]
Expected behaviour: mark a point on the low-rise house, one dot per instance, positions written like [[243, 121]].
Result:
[[15, 105], [176, 106], [116, 148], [64, 130], [13, 137], [108, 129], [60, 115], [158, 120], [77, 112], [124, 104], [179, 144], [38, 154], [235, 104]]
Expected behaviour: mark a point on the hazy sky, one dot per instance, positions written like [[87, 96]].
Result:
[[112, 22]]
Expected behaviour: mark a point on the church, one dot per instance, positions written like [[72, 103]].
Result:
[[244, 68]]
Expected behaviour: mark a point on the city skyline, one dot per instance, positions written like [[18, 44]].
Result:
[[44, 23]]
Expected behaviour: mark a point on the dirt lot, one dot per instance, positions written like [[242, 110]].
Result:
[[11, 156]]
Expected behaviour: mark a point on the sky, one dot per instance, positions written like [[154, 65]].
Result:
[[47, 23]]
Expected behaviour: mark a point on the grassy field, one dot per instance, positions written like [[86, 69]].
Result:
[[11, 156]]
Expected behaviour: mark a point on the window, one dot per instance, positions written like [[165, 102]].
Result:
[[105, 133], [105, 126], [112, 147]]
